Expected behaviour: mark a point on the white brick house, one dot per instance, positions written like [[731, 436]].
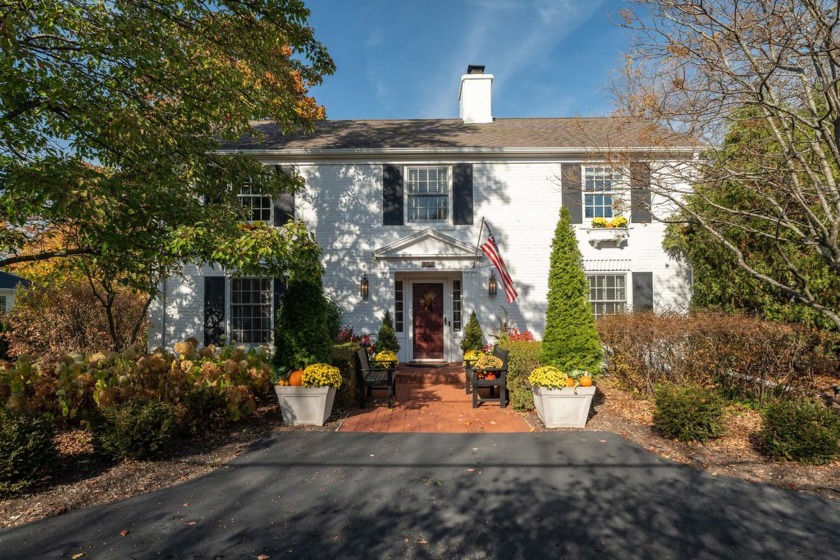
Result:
[[400, 203]]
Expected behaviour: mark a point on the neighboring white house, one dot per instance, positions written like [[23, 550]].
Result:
[[397, 205], [8, 286]]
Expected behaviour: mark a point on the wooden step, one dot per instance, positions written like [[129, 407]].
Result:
[[419, 376]]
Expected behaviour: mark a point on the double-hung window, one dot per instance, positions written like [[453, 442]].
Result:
[[602, 192], [427, 194], [607, 293], [250, 310], [257, 206]]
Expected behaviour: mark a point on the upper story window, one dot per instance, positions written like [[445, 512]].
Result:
[[602, 192], [427, 190], [257, 205]]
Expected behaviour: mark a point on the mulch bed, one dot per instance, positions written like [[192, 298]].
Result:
[[85, 480]]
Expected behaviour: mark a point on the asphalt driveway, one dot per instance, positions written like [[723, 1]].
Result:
[[538, 495]]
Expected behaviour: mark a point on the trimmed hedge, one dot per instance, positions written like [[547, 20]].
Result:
[[344, 358], [27, 450], [747, 356], [801, 431], [689, 413], [136, 430], [523, 359]]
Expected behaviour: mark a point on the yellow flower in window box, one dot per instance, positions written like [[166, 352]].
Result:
[[599, 222], [618, 222]]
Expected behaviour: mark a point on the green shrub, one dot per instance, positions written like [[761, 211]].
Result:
[[27, 450], [473, 335], [302, 330], [571, 340], [524, 357], [689, 412], [206, 410], [386, 339], [802, 431], [137, 430], [344, 358]]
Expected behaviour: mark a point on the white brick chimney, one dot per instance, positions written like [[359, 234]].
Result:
[[476, 95]]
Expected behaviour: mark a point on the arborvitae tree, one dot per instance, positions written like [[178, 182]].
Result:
[[387, 337], [570, 340], [473, 335], [302, 330]]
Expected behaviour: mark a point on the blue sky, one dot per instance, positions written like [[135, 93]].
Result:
[[404, 58]]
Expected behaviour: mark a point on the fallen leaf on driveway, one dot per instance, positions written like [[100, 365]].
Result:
[[77, 556], [190, 522], [263, 557], [470, 470], [124, 532]]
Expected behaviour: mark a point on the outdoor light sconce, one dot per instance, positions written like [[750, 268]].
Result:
[[492, 286], [364, 286]]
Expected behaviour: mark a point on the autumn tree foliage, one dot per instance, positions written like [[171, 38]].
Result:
[[758, 85], [111, 115]]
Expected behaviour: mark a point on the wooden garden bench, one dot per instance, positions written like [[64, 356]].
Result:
[[370, 378]]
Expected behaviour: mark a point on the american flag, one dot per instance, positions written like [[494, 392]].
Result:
[[490, 249]]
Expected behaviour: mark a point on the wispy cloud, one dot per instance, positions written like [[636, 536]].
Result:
[[510, 37]]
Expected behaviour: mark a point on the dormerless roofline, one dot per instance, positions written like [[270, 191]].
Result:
[[358, 153]]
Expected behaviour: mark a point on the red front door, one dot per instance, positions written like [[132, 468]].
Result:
[[428, 320]]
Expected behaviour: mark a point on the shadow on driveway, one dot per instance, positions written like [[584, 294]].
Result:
[[340, 495]]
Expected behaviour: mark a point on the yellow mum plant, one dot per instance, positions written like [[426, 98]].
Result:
[[549, 377], [488, 361], [599, 222], [618, 221], [321, 375], [472, 355], [385, 356]]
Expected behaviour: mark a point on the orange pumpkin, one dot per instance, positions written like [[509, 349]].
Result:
[[570, 382], [296, 378], [586, 381], [490, 376]]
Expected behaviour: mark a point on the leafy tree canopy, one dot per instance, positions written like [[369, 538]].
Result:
[[110, 119]]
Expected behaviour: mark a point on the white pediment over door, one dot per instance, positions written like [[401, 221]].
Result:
[[427, 244]]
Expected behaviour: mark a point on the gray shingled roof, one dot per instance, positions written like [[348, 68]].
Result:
[[583, 132], [9, 281]]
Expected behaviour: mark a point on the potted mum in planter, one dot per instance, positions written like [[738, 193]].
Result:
[[311, 402], [559, 403]]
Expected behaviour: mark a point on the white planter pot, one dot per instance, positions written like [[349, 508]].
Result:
[[563, 408], [305, 405], [597, 236]]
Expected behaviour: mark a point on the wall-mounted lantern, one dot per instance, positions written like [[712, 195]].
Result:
[[364, 286], [492, 286]]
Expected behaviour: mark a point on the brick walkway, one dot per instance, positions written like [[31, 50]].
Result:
[[432, 400]]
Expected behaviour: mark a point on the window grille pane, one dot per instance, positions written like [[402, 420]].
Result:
[[604, 181], [428, 194], [456, 305], [398, 303], [257, 205], [251, 310], [607, 293]]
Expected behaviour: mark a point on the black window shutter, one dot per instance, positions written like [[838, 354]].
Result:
[[284, 204], [392, 195], [279, 291], [642, 291], [640, 192], [214, 309], [572, 190], [462, 194], [284, 209]]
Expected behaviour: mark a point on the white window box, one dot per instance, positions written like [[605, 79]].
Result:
[[610, 236]]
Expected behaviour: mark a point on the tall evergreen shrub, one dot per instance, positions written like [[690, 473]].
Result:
[[570, 340], [386, 339], [473, 335], [302, 330]]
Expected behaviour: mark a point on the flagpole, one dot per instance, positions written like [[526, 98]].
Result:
[[477, 243]]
